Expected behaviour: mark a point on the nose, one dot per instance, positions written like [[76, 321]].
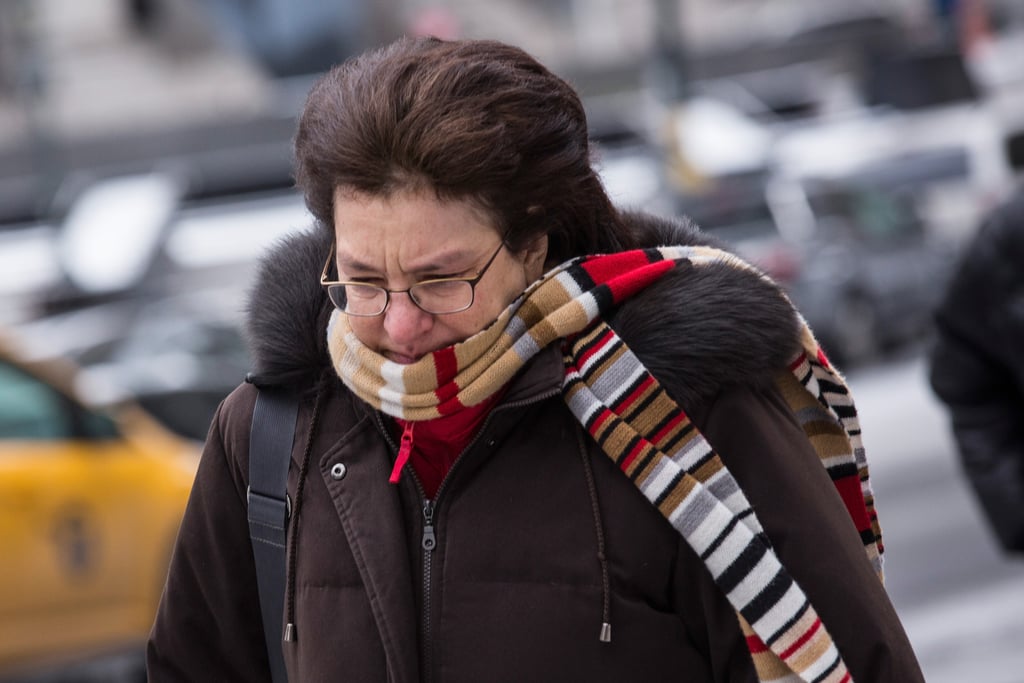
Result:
[[404, 321]]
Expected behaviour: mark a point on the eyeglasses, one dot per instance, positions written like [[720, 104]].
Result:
[[437, 297]]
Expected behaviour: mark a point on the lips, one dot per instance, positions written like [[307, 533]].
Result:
[[401, 358]]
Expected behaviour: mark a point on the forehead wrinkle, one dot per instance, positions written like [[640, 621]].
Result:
[[409, 234], [458, 258]]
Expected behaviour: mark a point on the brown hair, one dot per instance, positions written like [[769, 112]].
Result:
[[475, 120]]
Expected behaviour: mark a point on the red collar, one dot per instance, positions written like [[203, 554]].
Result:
[[433, 446]]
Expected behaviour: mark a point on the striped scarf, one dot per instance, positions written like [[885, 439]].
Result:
[[648, 435]]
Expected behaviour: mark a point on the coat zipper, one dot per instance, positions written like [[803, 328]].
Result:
[[428, 540]]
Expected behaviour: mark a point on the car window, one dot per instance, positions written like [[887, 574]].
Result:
[[868, 215], [95, 425], [913, 81], [31, 409], [739, 223], [885, 216]]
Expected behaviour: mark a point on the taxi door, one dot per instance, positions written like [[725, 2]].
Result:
[[66, 581]]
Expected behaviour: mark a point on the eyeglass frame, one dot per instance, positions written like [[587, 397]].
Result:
[[472, 281]]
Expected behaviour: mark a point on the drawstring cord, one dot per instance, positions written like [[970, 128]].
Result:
[[289, 629], [605, 635]]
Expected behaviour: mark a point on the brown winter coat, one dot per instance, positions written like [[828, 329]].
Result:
[[513, 590]]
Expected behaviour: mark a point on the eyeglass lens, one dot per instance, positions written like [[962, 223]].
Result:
[[438, 297]]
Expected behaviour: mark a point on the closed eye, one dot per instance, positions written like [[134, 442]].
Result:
[[366, 280], [442, 276]]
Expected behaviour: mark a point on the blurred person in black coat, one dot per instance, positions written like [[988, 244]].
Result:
[[977, 367]]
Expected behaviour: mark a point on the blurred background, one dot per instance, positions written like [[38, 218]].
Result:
[[849, 149]]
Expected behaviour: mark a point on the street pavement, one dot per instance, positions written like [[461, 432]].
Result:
[[960, 598]]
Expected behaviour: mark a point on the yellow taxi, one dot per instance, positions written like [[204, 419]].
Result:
[[90, 504]]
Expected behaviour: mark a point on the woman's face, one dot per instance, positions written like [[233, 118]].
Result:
[[411, 236]]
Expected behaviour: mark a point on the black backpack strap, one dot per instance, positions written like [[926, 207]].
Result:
[[270, 452]]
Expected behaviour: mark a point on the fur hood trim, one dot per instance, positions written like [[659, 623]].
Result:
[[696, 329]]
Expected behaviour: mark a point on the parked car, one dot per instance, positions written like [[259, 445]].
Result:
[[157, 318], [176, 362], [854, 255], [90, 504]]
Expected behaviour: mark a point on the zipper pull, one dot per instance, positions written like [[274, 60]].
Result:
[[429, 540], [404, 451]]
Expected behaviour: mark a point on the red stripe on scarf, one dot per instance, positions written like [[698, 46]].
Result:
[[807, 635], [625, 273], [755, 644], [624, 404], [598, 421], [597, 346], [450, 405], [850, 491], [595, 427], [631, 456], [446, 366], [676, 419]]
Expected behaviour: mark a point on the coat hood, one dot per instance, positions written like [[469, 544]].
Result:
[[696, 329]]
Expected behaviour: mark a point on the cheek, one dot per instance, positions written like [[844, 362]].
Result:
[[498, 300], [481, 315], [515, 285], [367, 330], [451, 329], [534, 271]]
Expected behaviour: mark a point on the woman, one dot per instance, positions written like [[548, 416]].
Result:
[[465, 507]]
